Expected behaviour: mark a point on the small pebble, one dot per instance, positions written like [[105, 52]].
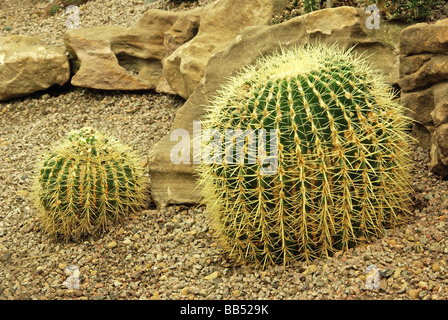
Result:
[[435, 247], [112, 244], [414, 294], [77, 293], [184, 291], [98, 296], [423, 240], [435, 267], [213, 275]]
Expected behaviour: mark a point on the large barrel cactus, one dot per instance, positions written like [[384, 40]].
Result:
[[331, 166], [88, 183]]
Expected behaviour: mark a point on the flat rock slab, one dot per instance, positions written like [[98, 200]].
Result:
[[27, 66]]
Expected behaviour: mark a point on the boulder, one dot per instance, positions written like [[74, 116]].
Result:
[[429, 107], [175, 183], [185, 29], [432, 71], [435, 164], [27, 66], [439, 148], [424, 84], [420, 105], [441, 139], [440, 113], [412, 64], [99, 67], [221, 21], [115, 58], [424, 38], [423, 134]]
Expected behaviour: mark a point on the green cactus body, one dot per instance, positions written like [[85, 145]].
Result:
[[311, 5], [343, 165], [87, 184], [52, 9]]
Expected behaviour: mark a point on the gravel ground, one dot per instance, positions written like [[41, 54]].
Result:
[[171, 253], [28, 17]]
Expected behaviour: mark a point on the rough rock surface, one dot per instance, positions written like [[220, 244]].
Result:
[[115, 58], [221, 21], [344, 25], [424, 84], [185, 28], [27, 66], [431, 38]]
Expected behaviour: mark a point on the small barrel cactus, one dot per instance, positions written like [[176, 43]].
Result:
[[88, 183], [340, 143]]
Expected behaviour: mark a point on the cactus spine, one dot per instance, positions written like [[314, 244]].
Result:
[[88, 183], [343, 165]]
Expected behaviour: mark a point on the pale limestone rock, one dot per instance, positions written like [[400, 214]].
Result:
[[424, 81], [115, 58], [440, 113], [421, 104], [99, 67], [221, 21], [185, 29], [432, 71], [27, 66], [425, 38]]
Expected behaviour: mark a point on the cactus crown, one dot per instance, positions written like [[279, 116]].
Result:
[[342, 151], [88, 183]]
